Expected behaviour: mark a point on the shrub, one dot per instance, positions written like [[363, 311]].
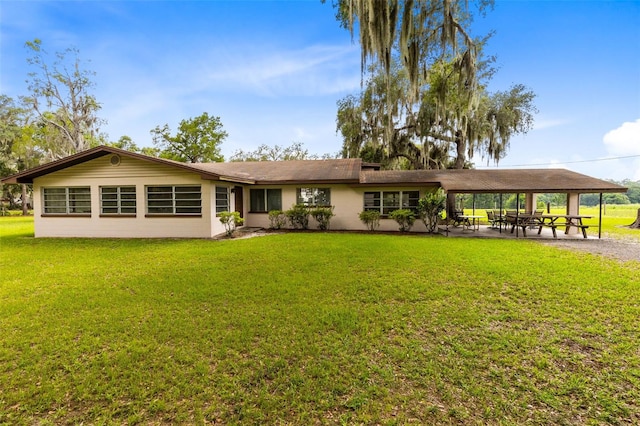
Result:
[[298, 216], [405, 218], [230, 220], [323, 216], [430, 207], [371, 218], [277, 219]]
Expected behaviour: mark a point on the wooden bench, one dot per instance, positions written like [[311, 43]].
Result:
[[553, 227], [583, 228]]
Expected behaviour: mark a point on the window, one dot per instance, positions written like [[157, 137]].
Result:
[[174, 200], [387, 201], [71, 200], [265, 200], [314, 196], [222, 199], [118, 200]]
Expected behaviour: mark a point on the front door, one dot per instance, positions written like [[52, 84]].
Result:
[[237, 191]]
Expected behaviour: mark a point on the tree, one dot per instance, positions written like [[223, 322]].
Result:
[[441, 128], [125, 142], [424, 105], [18, 150], [61, 98], [636, 223], [416, 31], [295, 151], [634, 190], [197, 140]]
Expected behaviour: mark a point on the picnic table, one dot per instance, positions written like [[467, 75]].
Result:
[[553, 221], [570, 220], [522, 220]]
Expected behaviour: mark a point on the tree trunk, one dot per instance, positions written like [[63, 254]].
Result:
[[460, 151], [636, 224]]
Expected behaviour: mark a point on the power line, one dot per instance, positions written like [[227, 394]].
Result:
[[563, 162]]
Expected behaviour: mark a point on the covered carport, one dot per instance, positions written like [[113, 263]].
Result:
[[527, 184]]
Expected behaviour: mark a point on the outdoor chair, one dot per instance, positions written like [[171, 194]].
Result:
[[494, 219], [500, 218], [459, 219]]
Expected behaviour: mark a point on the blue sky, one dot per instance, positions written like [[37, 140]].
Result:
[[273, 70]]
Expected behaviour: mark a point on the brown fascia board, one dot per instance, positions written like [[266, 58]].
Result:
[[307, 182], [412, 184], [27, 176], [538, 191], [234, 179]]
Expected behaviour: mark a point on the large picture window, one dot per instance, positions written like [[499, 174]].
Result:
[[314, 196], [67, 200], [174, 200], [387, 201], [265, 200], [118, 200], [222, 199]]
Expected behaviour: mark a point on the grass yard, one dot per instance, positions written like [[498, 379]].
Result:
[[615, 220], [314, 328]]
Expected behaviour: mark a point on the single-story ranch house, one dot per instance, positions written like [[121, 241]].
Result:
[[109, 192]]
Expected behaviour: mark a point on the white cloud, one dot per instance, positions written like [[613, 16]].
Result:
[[311, 71], [547, 123], [625, 140]]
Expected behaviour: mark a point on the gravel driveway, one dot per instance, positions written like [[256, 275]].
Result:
[[617, 249]]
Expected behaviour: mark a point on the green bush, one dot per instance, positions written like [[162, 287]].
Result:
[[371, 218], [405, 218], [430, 208], [323, 216], [277, 219], [298, 216], [230, 220]]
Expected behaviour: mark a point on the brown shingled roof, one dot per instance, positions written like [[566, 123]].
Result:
[[282, 172], [354, 172], [494, 181]]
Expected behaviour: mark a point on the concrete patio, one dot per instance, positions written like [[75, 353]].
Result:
[[486, 231]]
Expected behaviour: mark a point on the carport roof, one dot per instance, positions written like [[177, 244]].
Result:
[[494, 181]]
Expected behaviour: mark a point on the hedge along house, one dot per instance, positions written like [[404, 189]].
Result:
[[108, 192]]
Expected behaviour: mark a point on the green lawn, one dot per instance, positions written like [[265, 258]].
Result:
[[314, 328]]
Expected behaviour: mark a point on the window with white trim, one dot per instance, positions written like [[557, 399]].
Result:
[[265, 200], [222, 199], [387, 201], [183, 200], [67, 200], [313, 196], [118, 200]]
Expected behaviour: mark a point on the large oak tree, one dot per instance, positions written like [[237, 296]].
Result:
[[424, 102], [60, 95], [197, 140]]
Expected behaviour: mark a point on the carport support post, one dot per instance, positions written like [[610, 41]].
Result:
[[451, 204], [503, 217], [600, 219], [517, 212], [573, 208], [530, 202]]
